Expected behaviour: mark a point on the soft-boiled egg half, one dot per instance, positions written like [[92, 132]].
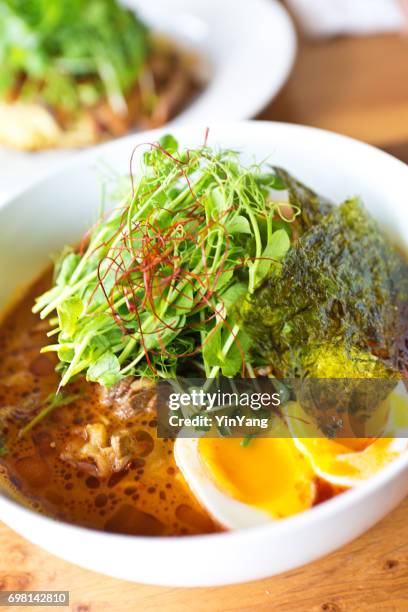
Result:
[[347, 462], [243, 485]]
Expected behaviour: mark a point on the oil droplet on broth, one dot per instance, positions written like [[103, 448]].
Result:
[[33, 472]]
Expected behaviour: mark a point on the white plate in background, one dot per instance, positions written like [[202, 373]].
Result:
[[250, 46]]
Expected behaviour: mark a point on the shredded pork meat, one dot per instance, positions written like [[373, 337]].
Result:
[[91, 448], [129, 397]]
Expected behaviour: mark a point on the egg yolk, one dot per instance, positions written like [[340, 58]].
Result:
[[268, 473], [332, 460], [349, 461]]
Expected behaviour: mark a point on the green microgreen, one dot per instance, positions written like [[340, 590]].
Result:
[[246, 441], [53, 401], [158, 282]]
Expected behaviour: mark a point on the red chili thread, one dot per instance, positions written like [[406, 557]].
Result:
[[154, 265]]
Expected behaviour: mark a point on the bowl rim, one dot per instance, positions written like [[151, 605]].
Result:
[[307, 518], [213, 126]]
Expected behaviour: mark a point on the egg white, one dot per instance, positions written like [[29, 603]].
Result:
[[228, 512]]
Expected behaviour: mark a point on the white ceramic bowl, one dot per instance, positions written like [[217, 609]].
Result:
[[55, 211], [250, 47]]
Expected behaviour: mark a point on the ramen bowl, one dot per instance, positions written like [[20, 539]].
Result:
[[56, 211]]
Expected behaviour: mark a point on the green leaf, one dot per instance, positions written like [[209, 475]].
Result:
[[68, 265], [275, 250], [223, 280], [234, 294], [237, 355], [113, 336], [162, 331], [278, 246], [212, 347], [220, 204], [272, 181], [65, 353], [281, 224], [105, 371], [92, 326], [232, 365], [169, 143], [239, 225], [69, 312], [185, 300]]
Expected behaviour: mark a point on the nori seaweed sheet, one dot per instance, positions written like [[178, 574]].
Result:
[[335, 309], [313, 207]]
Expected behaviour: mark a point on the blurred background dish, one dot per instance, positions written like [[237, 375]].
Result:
[[210, 60], [75, 74]]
